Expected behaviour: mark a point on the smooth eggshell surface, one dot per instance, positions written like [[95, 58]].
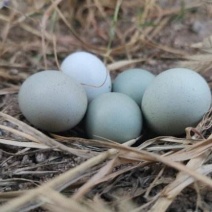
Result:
[[52, 101], [89, 71], [176, 99], [133, 82], [113, 116]]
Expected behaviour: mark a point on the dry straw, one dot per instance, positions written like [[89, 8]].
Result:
[[34, 35]]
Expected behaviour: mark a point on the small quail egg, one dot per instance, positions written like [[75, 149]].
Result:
[[176, 99], [113, 116], [89, 71], [52, 101], [133, 83]]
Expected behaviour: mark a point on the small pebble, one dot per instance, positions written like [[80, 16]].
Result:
[[26, 160], [40, 157], [197, 27]]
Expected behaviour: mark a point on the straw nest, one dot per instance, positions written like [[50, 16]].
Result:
[[67, 172]]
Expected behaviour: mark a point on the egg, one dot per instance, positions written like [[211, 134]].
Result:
[[89, 71], [176, 99], [133, 83], [113, 116], [52, 101]]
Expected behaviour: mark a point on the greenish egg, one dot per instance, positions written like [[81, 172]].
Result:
[[52, 101], [176, 99], [133, 82], [113, 116]]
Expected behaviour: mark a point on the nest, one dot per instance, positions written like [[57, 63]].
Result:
[[68, 172]]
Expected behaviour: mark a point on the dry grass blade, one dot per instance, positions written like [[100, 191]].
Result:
[[6, 29], [154, 157], [123, 63], [85, 44], [205, 45], [117, 173], [42, 138], [105, 170], [183, 180], [92, 142], [154, 183], [59, 203], [113, 27], [205, 124], [19, 133], [43, 28], [30, 199], [54, 201], [23, 144], [63, 180], [192, 151], [166, 48], [11, 90], [10, 195], [200, 62]]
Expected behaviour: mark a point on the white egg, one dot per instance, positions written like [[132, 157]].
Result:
[[52, 101], [133, 82], [113, 116], [176, 99], [89, 71]]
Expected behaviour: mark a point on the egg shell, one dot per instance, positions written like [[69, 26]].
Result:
[[176, 99], [133, 82], [89, 71], [113, 116], [52, 101]]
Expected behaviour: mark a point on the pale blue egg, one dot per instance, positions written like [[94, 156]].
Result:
[[133, 82], [113, 116], [176, 99], [89, 71], [52, 101]]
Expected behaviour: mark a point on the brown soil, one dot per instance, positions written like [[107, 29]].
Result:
[[162, 34]]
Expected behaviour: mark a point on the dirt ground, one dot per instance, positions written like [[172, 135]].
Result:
[[37, 35]]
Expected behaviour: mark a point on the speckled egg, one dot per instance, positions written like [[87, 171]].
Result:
[[113, 116], [176, 99], [52, 101], [89, 71], [133, 82]]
